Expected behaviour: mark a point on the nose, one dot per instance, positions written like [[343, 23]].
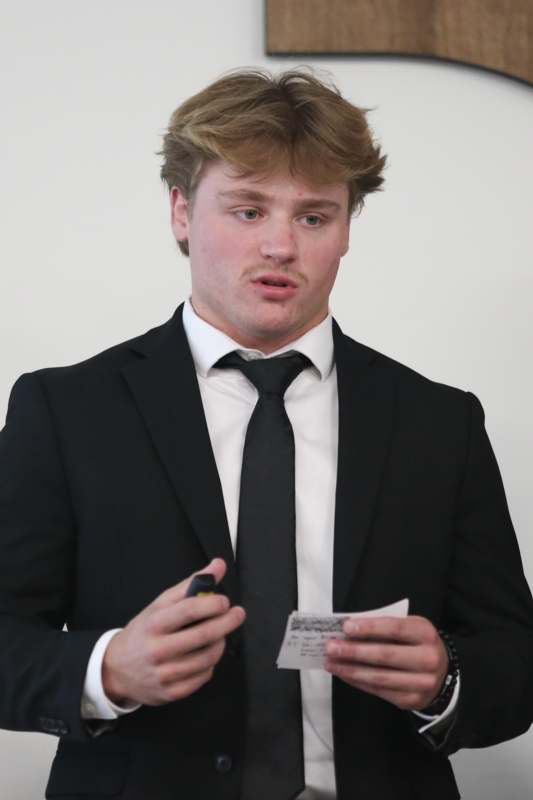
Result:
[[278, 242]]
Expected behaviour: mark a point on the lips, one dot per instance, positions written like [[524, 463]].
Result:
[[280, 281], [274, 288]]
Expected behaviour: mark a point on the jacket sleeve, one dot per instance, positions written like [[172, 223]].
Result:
[[489, 610], [42, 666]]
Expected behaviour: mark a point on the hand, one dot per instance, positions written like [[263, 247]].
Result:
[[401, 660], [157, 658]]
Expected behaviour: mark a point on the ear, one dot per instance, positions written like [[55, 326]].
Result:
[[179, 214]]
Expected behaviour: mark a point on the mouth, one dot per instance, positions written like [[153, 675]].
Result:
[[279, 281]]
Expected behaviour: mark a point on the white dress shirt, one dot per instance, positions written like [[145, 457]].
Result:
[[311, 403]]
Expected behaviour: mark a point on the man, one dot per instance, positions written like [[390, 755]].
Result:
[[250, 439]]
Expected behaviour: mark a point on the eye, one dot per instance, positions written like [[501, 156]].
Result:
[[313, 220], [247, 213]]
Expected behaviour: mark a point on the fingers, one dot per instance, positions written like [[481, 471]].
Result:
[[198, 636], [409, 700], [407, 630], [174, 594], [169, 619], [171, 647], [181, 689], [406, 690], [421, 658], [191, 665], [184, 661], [375, 679], [402, 661]]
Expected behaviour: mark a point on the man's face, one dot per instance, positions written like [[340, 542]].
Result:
[[264, 252]]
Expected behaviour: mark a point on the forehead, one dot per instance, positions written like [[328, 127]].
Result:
[[222, 180]]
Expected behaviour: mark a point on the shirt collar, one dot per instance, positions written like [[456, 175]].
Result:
[[208, 344]]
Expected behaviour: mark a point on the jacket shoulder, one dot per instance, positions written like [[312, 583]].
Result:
[[111, 360], [407, 378]]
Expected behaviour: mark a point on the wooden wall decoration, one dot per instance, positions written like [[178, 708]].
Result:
[[495, 34]]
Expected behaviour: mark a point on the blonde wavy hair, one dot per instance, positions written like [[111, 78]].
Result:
[[260, 123]]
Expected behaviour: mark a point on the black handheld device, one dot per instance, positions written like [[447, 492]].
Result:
[[201, 584]]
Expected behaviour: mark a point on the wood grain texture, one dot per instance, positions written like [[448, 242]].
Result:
[[495, 34]]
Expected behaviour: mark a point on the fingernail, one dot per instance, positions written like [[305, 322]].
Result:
[[333, 649], [351, 627]]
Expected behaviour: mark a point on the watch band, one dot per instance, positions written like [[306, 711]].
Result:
[[442, 700]]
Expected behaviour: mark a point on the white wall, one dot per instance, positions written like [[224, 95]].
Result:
[[439, 274]]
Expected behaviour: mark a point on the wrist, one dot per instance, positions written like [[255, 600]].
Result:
[[113, 688], [440, 703]]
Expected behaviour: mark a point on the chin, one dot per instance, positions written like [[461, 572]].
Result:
[[272, 330]]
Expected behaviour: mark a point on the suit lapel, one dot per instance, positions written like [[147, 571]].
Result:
[[165, 389], [366, 405]]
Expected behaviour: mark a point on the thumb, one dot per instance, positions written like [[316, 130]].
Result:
[[216, 567]]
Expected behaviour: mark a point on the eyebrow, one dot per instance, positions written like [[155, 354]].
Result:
[[253, 196]]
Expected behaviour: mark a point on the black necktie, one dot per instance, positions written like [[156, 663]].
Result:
[[266, 564]]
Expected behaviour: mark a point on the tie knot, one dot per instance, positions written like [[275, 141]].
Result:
[[268, 375]]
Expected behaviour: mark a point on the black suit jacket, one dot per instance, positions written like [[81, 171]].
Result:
[[109, 494]]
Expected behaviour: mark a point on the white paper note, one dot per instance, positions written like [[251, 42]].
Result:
[[306, 634]]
